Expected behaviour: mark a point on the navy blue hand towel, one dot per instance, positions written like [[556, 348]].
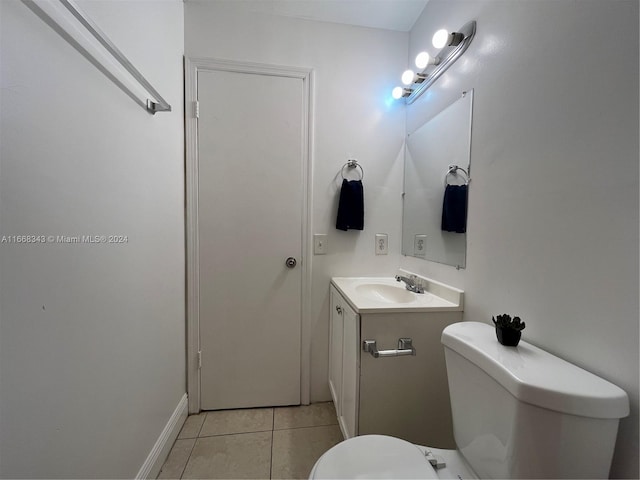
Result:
[[351, 206], [454, 209]]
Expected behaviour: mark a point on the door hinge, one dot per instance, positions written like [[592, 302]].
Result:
[[196, 108], [199, 359]]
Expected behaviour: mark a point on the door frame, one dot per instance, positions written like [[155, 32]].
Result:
[[192, 67]]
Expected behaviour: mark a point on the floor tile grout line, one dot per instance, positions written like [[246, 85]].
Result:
[[264, 430], [206, 414], [306, 426], [271, 429], [188, 458], [273, 421], [235, 433]]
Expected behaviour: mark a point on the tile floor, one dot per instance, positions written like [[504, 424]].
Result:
[[260, 443]]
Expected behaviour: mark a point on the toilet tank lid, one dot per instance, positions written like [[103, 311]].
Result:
[[537, 377]]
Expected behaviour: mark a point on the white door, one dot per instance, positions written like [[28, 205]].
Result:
[[250, 203]]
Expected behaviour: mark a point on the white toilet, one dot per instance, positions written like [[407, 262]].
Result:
[[518, 412]]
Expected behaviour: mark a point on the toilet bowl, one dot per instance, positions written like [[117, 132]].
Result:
[[518, 412], [384, 457]]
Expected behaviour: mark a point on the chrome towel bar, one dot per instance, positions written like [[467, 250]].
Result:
[[48, 11]]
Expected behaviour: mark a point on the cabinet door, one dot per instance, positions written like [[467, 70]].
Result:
[[407, 397], [335, 349], [350, 371]]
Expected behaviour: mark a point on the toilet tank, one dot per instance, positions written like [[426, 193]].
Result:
[[520, 412]]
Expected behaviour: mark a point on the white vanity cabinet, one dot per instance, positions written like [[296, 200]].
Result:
[[344, 362], [403, 396]]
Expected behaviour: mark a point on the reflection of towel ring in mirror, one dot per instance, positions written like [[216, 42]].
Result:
[[453, 170], [352, 164]]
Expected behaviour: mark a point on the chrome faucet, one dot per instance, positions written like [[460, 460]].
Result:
[[411, 284]]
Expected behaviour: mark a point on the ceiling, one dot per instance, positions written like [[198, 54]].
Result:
[[387, 14]]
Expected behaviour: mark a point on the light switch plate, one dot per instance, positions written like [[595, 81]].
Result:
[[382, 244], [320, 244], [420, 245]]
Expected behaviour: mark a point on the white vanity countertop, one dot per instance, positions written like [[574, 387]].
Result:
[[386, 295]]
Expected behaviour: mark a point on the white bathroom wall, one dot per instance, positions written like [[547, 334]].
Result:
[[355, 69], [92, 335], [553, 214]]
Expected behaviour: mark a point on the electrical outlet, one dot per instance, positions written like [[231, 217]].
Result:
[[382, 244], [320, 244], [420, 245]]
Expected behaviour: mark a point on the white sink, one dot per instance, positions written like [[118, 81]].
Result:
[[386, 293]]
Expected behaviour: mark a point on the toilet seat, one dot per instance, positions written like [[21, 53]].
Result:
[[373, 456]]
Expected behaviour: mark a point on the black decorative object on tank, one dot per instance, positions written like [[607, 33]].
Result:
[[508, 330]]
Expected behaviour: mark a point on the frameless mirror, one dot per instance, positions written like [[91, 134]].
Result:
[[431, 151]]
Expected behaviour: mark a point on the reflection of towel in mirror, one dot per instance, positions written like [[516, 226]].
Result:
[[351, 206], [454, 209]]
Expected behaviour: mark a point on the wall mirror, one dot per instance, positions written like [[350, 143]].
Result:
[[431, 149]]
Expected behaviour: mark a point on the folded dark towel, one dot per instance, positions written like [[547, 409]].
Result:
[[351, 206], [454, 209]]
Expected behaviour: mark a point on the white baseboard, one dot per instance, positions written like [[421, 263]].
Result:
[[152, 465]]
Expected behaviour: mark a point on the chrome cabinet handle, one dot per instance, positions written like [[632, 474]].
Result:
[[339, 309], [405, 347]]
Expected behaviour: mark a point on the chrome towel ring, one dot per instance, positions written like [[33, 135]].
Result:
[[351, 164], [453, 170]]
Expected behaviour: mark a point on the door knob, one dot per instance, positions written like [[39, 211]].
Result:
[[290, 262]]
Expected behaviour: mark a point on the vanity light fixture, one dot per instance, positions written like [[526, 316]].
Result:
[[400, 92], [452, 46], [423, 59], [408, 77], [440, 38]]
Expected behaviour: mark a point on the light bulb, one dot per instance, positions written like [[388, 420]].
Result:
[[397, 92], [440, 38], [423, 59], [407, 77]]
